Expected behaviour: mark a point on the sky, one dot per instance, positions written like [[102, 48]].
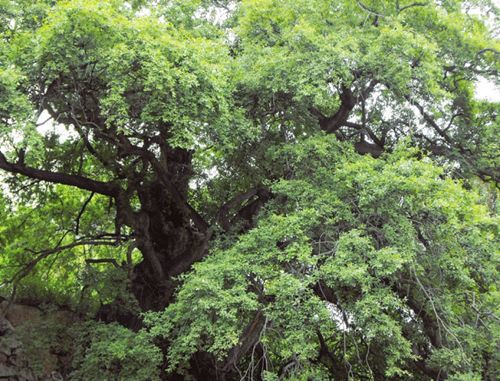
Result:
[[487, 90]]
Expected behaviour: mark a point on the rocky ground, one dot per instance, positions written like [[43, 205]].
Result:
[[14, 366]]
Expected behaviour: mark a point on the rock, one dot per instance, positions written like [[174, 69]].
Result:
[[3, 357], [12, 341], [4, 347], [27, 374], [18, 314], [13, 360], [7, 370], [49, 363], [56, 376], [5, 327]]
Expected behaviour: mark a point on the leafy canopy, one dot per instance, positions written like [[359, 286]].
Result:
[[361, 249], [284, 189]]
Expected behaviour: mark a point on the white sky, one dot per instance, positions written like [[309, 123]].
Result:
[[487, 91]]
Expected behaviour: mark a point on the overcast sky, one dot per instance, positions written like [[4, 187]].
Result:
[[487, 90]]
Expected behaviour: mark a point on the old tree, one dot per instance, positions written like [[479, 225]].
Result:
[[256, 190]]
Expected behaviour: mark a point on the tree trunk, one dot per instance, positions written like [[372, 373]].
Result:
[[165, 236]]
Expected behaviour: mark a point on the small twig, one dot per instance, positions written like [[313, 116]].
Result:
[[103, 260], [438, 318], [77, 229], [365, 8]]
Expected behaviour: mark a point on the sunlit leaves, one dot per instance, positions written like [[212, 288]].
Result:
[[114, 353], [380, 237]]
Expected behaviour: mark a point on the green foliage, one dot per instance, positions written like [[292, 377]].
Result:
[[51, 334], [107, 285], [166, 115], [46, 217], [359, 250], [114, 353]]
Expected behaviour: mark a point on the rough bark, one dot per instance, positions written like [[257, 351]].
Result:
[[333, 123]]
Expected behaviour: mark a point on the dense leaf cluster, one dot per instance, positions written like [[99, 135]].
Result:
[[256, 189]]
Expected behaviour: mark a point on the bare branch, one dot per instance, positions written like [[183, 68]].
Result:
[[372, 11], [107, 189], [103, 260], [370, 133], [81, 213], [451, 121], [430, 120], [368, 90], [411, 5], [487, 50]]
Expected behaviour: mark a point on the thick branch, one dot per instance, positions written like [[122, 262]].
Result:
[[333, 123], [176, 195], [250, 336], [222, 213], [107, 189], [130, 149], [364, 147], [370, 133], [179, 265]]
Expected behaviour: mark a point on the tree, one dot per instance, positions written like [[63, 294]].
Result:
[[292, 171]]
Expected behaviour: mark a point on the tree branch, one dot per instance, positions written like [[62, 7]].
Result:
[[429, 120], [42, 255], [249, 337], [411, 5], [131, 149], [487, 50], [369, 89], [200, 223], [107, 189], [104, 260], [370, 133], [77, 229], [178, 266], [333, 123], [222, 213], [372, 11]]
